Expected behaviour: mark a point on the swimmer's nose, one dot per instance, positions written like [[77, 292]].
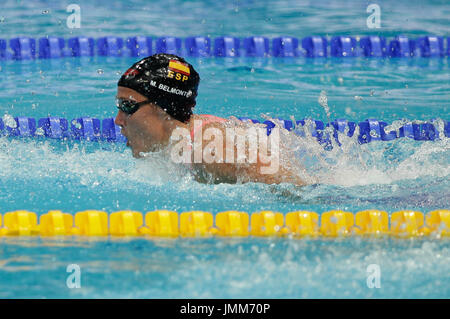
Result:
[[120, 118]]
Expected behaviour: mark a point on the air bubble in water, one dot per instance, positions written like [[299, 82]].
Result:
[[9, 121], [349, 111], [323, 101], [76, 124], [39, 131], [373, 133]]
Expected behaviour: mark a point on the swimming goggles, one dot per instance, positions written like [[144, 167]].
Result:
[[129, 107]]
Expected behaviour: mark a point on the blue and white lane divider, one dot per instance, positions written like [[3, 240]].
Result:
[[22, 48], [93, 129]]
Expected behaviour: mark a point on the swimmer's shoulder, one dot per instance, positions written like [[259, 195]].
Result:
[[208, 118], [205, 121]]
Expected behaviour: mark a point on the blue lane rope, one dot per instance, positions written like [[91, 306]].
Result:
[[93, 129], [22, 48]]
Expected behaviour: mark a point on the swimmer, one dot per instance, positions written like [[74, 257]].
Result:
[[155, 99]]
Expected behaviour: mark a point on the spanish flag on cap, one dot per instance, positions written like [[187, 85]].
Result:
[[180, 67]]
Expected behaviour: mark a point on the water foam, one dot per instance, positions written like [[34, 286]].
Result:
[[353, 164], [86, 163]]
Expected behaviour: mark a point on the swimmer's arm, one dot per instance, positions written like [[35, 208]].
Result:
[[227, 172], [262, 171], [254, 173]]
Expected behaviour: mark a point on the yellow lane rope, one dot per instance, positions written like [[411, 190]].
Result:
[[163, 223]]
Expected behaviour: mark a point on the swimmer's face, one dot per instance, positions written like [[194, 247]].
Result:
[[144, 128]]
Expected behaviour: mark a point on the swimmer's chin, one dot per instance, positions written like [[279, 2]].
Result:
[[138, 154]]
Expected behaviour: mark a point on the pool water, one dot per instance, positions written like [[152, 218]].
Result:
[[40, 175]]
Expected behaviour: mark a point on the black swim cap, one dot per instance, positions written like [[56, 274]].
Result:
[[167, 80]]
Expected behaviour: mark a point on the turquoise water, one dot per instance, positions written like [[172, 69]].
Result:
[[216, 18], [39, 175]]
